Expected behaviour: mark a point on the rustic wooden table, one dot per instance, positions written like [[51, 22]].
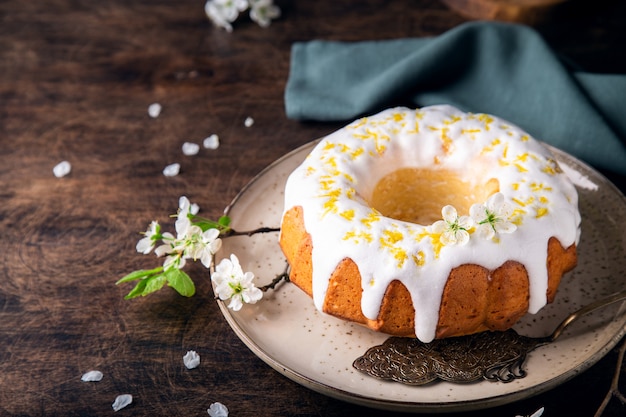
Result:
[[76, 79]]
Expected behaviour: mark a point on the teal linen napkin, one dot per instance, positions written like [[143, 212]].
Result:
[[483, 67]]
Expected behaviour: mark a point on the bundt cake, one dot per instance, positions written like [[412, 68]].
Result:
[[430, 223]]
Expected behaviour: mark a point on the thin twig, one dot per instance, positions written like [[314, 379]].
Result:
[[282, 277], [614, 390], [233, 232]]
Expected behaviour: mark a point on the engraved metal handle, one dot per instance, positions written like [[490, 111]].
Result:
[[494, 356], [619, 296]]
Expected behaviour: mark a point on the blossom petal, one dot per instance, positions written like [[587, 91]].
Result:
[[235, 303], [449, 214], [485, 231], [217, 410], [122, 401], [495, 202], [462, 237], [505, 227], [191, 359], [145, 245], [92, 376]]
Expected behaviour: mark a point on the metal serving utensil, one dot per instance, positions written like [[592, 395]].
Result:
[[494, 356]]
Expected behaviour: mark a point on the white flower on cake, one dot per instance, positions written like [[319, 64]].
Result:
[[492, 217], [454, 229], [234, 284]]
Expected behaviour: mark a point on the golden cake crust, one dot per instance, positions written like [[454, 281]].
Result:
[[474, 299]]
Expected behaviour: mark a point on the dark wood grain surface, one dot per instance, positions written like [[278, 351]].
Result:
[[76, 78]]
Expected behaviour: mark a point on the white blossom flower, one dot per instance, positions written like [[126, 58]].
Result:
[[454, 230], [190, 241], [185, 208], [172, 247], [224, 12], [216, 15], [168, 245], [492, 217], [263, 11], [217, 409], [147, 243], [232, 283], [191, 359], [202, 245], [122, 401], [175, 260]]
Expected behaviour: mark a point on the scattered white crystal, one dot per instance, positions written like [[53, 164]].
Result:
[[191, 359], [122, 401], [91, 376], [248, 122], [154, 110], [212, 142], [62, 169], [171, 170], [190, 148], [218, 410]]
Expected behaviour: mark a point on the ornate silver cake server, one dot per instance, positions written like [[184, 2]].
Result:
[[494, 356]]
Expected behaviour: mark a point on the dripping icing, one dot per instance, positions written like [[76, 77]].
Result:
[[337, 179]]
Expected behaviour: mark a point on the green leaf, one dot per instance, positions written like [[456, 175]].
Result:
[[154, 284], [147, 286], [224, 221], [140, 274], [180, 281], [138, 290], [206, 225]]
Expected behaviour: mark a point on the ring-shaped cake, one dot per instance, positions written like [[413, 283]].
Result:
[[430, 223]]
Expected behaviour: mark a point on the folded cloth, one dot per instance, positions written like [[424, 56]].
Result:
[[483, 67]]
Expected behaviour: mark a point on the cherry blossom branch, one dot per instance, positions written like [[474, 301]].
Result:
[[196, 238]]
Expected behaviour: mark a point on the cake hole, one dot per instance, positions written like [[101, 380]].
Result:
[[417, 195]]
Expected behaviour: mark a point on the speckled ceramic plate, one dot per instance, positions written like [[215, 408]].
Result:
[[317, 351]]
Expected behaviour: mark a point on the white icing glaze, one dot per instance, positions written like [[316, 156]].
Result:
[[337, 179]]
